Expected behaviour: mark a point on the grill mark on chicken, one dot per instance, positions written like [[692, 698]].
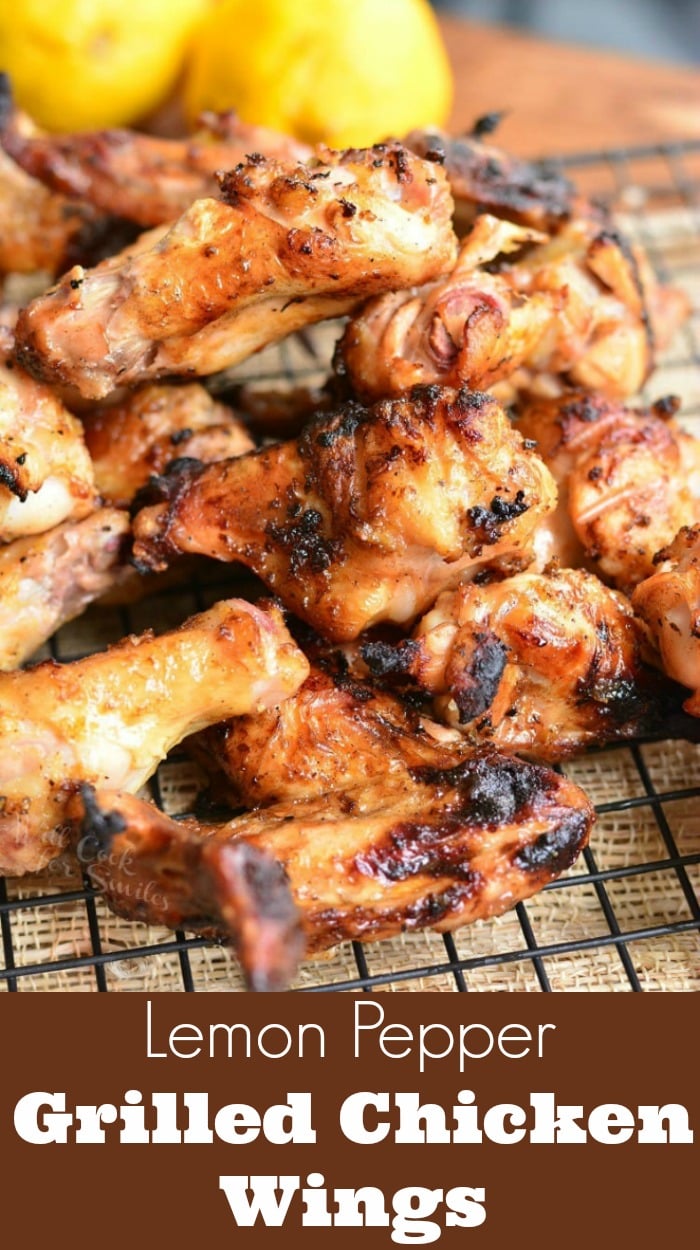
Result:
[[447, 848], [385, 507]]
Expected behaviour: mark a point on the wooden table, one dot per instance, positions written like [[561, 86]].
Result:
[[564, 98]]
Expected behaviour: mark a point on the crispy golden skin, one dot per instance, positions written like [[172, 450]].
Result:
[[140, 177], [130, 441], [440, 850], [48, 579], [369, 514], [471, 328], [287, 246], [628, 479], [669, 603], [111, 718], [46, 475], [546, 665], [333, 734]]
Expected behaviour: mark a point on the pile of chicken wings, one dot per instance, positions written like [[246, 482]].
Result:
[[478, 554]]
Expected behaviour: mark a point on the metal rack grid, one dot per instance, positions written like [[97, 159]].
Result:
[[649, 186]]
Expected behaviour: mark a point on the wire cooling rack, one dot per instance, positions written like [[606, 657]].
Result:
[[625, 918]]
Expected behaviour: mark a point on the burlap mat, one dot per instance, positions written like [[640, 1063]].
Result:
[[583, 914]]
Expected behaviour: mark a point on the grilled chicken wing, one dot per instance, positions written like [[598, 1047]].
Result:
[[485, 178], [471, 328], [628, 479], [46, 475], [438, 851], [288, 245], [112, 717], [369, 514], [546, 665], [155, 425], [140, 177], [333, 734], [669, 603], [50, 578]]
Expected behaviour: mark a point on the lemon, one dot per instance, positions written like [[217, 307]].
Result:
[[343, 72], [79, 64]]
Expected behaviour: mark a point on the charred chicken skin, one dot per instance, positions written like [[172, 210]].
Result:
[[333, 734], [669, 604], [368, 515], [544, 665], [286, 246], [440, 850], [111, 718], [140, 177], [46, 475], [628, 479], [471, 328], [141, 436], [50, 578]]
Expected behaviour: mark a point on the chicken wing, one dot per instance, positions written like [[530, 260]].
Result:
[[545, 665], [471, 328], [333, 734], [369, 514], [50, 578], [140, 177], [287, 246], [46, 475], [669, 603], [112, 717], [628, 479], [439, 851], [131, 441], [483, 178]]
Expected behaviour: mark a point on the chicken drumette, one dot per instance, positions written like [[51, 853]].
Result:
[[546, 665], [369, 514], [669, 603], [286, 246], [111, 718], [628, 479]]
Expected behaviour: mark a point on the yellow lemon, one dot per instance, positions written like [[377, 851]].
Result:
[[343, 72], [79, 64]]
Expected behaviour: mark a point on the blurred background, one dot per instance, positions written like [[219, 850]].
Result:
[[659, 29]]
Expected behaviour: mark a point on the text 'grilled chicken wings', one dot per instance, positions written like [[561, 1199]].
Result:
[[140, 177], [546, 665], [46, 475], [470, 328], [438, 850], [669, 603], [48, 579], [286, 246], [369, 514], [111, 718], [130, 441], [628, 479]]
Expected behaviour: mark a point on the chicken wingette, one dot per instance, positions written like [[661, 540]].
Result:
[[439, 850], [286, 246], [49, 579], [368, 515], [130, 441], [111, 718]]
